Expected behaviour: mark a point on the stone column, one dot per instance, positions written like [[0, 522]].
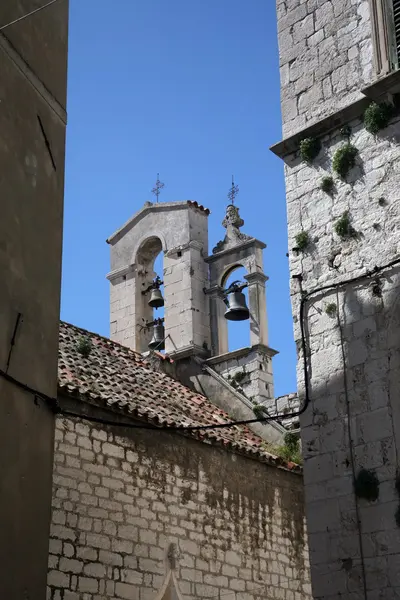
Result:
[[219, 326], [258, 308]]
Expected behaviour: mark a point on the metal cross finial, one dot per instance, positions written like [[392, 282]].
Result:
[[233, 192], [158, 187]]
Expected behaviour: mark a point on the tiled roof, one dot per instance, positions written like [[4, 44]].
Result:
[[117, 377]]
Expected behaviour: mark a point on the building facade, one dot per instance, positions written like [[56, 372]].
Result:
[[33, 64], [141, 513], [339, 85]]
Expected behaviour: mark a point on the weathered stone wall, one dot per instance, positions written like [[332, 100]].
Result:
[[249, 371], [120, 501], [326, 57], [353, 420]]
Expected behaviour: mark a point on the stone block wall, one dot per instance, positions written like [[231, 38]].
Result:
[[121, 499], [289, 403], [250, 372], [326, 57], [353, 419]]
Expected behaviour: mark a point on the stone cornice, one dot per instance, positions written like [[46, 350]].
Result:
[[256, 277], [241, 352], [379, 90], [192, 244], [192, 350], [234, 249], [120, 272], [336, 120]]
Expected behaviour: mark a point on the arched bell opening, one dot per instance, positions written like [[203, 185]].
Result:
[[149, 296], [236, 312]]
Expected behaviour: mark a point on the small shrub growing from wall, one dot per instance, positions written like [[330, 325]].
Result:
[[289, 451], [366, 485], [309, 149], [343, 226], [345, 131], [259, 411], [377, 117], [327, 184], [344, 159], [331, 309], [302, 240]]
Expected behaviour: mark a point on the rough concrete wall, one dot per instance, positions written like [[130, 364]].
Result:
[[325, 50], [120, 501], [31, 191], [353, 420]]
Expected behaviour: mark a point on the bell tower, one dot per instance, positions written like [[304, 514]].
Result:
[[251, 366], [179, 230], [197, 300]]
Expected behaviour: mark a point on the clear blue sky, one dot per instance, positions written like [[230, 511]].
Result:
[[189, 88]]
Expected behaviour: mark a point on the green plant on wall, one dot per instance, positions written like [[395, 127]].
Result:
[[377, 117], [239, 376], [331, 309], [290, 450], [344, 159], [345, 131], [366, 485], [259, 411], [309, 149], [343, 226], [84, 346], [327, 184], [302, 240]]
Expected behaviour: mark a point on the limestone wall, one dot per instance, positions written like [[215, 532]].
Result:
[[353, 420], [325, 55], [120, 501]]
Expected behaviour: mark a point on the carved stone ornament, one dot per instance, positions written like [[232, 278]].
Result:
[[232, 222]]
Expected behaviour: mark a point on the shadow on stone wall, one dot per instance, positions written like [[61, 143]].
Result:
[[353, 423]]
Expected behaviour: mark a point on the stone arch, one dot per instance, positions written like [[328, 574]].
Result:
[[146, 244], [169, 589], [238, 330]]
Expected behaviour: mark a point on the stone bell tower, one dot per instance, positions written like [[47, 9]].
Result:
[[195, 328], [179, 230], [251, 367]]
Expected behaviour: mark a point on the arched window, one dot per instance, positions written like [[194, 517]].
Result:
[[238, 331], [149, 265]]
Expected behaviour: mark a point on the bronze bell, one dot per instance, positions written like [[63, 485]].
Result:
[[237, 308], [156, 298], [157, 342]]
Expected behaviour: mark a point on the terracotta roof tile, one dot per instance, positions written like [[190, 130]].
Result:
[[118, 377]]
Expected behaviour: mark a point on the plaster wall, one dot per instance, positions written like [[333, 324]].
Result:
[[33, 58]]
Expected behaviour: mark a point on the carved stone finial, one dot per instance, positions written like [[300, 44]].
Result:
[[234, 236], [232, 217]]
